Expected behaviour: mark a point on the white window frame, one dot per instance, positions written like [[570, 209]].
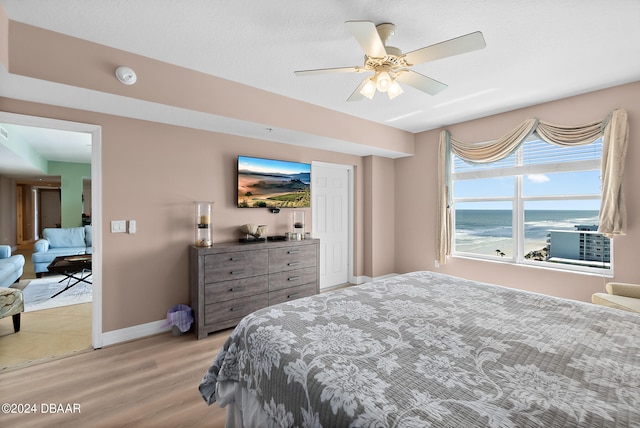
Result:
[[518, 200]]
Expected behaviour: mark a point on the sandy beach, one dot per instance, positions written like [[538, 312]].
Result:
[[503, 244]]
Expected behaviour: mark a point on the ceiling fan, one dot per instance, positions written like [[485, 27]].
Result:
[[391, 66]]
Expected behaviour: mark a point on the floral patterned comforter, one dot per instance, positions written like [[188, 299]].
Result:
[[426, 349]]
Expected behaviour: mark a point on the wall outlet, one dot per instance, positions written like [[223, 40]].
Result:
[[436, 263], [132, 227]]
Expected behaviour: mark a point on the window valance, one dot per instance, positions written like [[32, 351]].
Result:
[[614, 129]]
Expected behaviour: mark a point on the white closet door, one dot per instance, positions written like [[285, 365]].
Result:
[[331, 210]]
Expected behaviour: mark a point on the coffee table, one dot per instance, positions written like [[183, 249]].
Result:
[[73, 268]]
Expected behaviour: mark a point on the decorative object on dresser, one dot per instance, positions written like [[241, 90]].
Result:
[[203, 224], [254, 233], [297, 221], [228, 281], [297, 225]]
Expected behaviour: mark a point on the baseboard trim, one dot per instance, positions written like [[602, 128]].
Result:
[[387, 276], [362, 279], [135, 332]]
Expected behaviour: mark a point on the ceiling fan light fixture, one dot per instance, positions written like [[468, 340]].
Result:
[[369, 88], [388, 62], [383, 81], [394, 90]]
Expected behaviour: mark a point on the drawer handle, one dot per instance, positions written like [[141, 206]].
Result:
[[292, 295], [293, 251], [237, 308], [236, 259], [237, 272], [293, 278], [293, 263], [236, 289]]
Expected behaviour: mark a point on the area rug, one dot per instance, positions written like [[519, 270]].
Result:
[[37, 294]]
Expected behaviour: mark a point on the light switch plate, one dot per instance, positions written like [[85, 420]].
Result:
[[118, 226]]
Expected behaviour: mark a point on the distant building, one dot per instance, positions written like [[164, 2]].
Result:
[[584, 227], [582, 245]]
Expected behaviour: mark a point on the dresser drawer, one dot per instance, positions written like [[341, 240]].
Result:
[[226, 266], [234, 309], [290, 258], [292, 293], [235, 289], [291, 278]]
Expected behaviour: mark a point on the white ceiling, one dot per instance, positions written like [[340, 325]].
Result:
[[49, 144], [537, 51]]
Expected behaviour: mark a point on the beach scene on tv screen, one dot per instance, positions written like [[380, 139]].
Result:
[[269, 183]]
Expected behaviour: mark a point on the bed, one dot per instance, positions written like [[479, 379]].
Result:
[[429, 350]]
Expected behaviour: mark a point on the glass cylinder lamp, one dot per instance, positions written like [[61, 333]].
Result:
[[203, 224], [297, 222]]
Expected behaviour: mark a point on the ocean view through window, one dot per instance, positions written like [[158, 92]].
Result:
[[539, 206]]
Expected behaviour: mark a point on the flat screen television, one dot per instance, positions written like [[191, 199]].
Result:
[[270, 183]]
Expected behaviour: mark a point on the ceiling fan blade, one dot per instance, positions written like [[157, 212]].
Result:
[[367, 36], [328, 71], [463, 44], [421, 82], [356, 95]]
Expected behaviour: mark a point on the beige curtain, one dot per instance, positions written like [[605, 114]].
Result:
[[615, 130], [443, 239], [613, 213], [494, 150]]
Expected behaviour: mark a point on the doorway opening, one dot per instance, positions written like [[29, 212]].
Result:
[[35, 203]]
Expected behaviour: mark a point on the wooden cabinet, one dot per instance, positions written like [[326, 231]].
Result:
[[229, 281]]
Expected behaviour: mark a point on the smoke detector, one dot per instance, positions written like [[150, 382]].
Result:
[[126, 75]]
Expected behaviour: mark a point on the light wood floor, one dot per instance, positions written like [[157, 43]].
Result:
[[152, 382]]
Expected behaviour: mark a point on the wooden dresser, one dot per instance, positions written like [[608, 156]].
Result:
[[230, 280]]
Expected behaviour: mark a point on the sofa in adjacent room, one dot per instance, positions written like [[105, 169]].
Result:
[[67, 241], [11, 267]]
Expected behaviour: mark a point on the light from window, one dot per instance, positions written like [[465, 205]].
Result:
[[538, 206]]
